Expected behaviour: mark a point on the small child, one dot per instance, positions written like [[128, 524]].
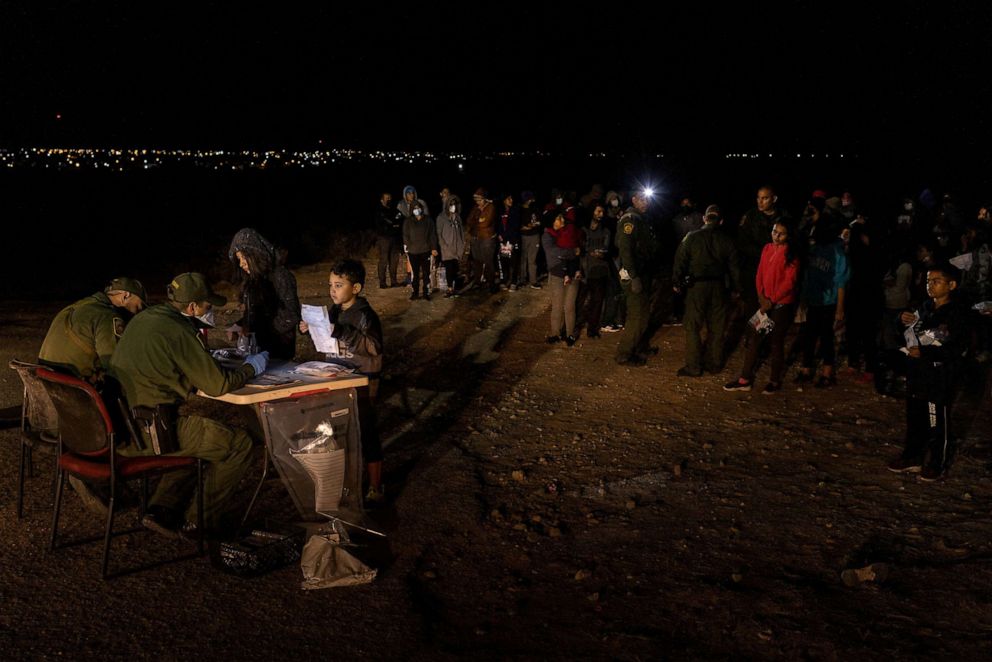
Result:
[[359, 334], [569, 236]]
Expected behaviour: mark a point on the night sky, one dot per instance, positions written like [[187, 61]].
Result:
[[809, 76]]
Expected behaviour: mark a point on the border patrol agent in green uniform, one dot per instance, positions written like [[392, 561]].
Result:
[[637, 247], [80, 341], [83, 335], [703, 262], [161, 359]]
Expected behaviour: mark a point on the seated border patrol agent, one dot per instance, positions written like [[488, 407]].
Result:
[[160, 361], [84, 334], [81, 340]]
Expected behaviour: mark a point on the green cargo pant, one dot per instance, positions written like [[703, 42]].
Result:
[[705, 306], [632, 339], [227, 453]]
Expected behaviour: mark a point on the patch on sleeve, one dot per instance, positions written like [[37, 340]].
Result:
[[118, 327], [628, 228]]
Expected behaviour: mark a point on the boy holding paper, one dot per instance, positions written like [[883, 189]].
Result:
[[935, 341], [358, 332]]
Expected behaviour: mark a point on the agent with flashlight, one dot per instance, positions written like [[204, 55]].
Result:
[[637, 247]]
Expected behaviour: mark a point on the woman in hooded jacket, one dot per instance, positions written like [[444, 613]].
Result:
[[451, 239], [268, 295]]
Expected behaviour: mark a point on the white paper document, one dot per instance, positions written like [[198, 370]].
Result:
[[963, 262], [320, 328]]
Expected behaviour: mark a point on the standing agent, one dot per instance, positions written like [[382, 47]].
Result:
[[268, 295], [704, 262], [160, 361], [637, 248]]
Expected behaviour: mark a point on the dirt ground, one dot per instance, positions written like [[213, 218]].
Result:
[[546, 503]]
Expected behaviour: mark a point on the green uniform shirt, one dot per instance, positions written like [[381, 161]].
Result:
[[635, 243], [162, 359], [707, 254], [83, 336]]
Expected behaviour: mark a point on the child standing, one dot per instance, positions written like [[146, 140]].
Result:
[[935, 342], [359, 334]]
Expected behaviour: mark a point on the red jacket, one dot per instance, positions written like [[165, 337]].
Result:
[[777, 280]]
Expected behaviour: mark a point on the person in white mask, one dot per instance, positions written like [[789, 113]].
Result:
[[160, 361]]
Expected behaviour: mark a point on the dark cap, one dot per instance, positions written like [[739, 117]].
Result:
[[527, 195], [130, 285], [192, 286], [481, 193], [713, 211]]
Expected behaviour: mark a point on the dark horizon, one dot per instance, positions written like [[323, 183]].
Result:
[[556, 78]]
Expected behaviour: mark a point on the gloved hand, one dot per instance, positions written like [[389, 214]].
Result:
[[258, 362], [635, 285]]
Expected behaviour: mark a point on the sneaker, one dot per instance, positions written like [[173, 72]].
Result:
[[426, 297], [771, 388], [551, 340], [535, 286], [593, 334], [801, 380], [376, 495], [610, 328], [414, 296], [739, 384], [649, 351], [383, 286], [92, 501], [570, 341], [901, 465], [686, 372], [163, 521], [513, 288], [930, 474]]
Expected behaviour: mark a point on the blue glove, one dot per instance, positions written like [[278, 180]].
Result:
[[258, 362]]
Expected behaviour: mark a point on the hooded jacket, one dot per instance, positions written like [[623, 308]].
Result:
[[271, 305], [450, 232]]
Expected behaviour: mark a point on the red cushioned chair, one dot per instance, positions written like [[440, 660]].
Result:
[[86, 451]]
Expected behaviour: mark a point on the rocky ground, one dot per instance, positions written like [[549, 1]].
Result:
[[547, 503]]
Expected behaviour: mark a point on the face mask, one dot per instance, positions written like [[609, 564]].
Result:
[[206, 318], [417, 212], [452, 209], [614, 202], [558, 201], [908, 206], [686, 208]]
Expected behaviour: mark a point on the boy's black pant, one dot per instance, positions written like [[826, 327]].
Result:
[[928, 436]]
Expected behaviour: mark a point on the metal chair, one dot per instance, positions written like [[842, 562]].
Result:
[[86, 449], [39, 423]]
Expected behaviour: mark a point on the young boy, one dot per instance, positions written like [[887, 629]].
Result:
[[935, 340], [359, 335]]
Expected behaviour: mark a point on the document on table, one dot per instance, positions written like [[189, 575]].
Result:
[[320, 328]]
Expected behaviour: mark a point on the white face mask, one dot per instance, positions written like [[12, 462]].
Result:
[[558, 201], [908, 206], [614, 202], [417, 212], [207, 318], [452, 209]]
